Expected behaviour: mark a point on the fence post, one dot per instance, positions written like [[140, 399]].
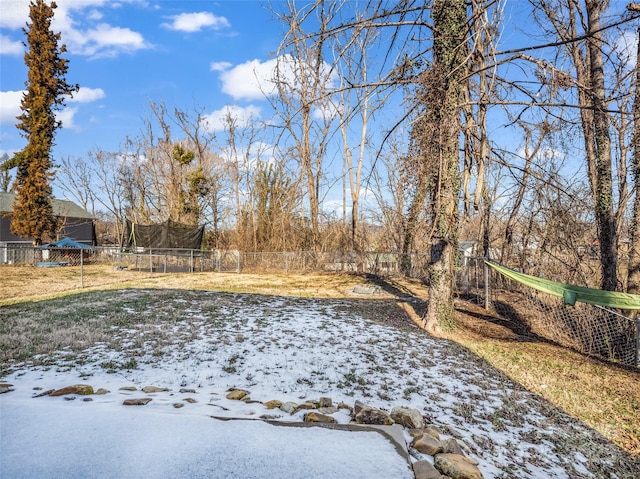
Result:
[[487, 299], [81, 269], [191, 261], [150, 261]]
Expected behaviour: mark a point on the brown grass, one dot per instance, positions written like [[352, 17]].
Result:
[[606, 397]]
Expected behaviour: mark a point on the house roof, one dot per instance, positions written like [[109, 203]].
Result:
[[62, 208]]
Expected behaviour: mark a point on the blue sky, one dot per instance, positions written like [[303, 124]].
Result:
[[189, 54], [126, 53]]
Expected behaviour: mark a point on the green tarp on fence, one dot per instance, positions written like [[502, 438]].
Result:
[[571, 293]]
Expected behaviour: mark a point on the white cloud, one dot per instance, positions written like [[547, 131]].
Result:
[[219, 66], [10, 47], [96, 39], [215, 121], [14, 13], [87, 95], [194, 22], [95, 15], [107, 41], [10, 106], [66, 117], [252, 80]]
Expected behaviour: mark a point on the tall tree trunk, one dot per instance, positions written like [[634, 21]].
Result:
[[605, 217], [450, 30], [410, 224], [633, 282]]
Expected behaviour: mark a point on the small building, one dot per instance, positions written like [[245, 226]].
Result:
[[76, 223], [467, 249]]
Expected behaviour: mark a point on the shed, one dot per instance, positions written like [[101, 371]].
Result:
[[65, 250]]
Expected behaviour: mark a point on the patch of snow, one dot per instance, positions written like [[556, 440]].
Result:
[[276, 348]]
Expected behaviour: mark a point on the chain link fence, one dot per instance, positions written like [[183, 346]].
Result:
[[592, 330], [608, 334], [177, 261]]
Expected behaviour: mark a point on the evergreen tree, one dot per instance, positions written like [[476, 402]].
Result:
[[46, 89]]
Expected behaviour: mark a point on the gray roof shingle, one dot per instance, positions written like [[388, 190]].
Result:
[[62, 208]]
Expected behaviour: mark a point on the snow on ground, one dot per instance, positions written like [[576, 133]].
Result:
[[276, 348], [106, 440]]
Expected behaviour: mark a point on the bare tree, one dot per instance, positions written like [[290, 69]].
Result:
[[355, 107], [77, 182], [171, 175], [302, 80], [241, 145], [633, 281], [568, 20]]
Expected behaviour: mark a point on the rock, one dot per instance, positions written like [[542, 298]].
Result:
[[305, 405], [315, 416], [87, 399], [328, 410], [190, 400], [343, 405], [427, 444], [289, 407], [451, 446], [358, 406], [433, 431], [153, 389], [128, 388], [44, 393], [369, 415], [5, 388], [407, 417], [273, 404], [456, 466], [367, 289], [325, 402], [237, 394], [187, 391], [137, 402], [81, 389], [178, 405], [102, 391], [69, 398], [425, 470]]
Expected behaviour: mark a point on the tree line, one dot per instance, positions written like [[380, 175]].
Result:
[[404, 107]]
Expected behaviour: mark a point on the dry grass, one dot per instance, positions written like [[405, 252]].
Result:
[[604, 396], [29, 283]]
